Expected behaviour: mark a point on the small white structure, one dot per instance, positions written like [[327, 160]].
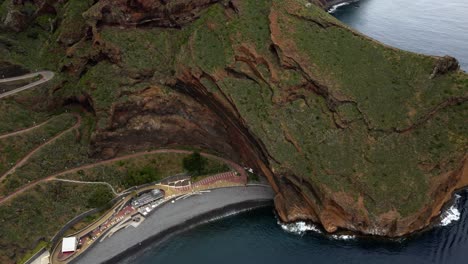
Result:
[[69, 244]]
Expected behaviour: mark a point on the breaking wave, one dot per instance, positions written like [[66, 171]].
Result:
[[452, 214], [333, 9], [299, 228], [343, 237]]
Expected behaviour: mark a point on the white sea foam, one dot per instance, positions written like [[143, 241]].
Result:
[[343, 237], [335, 7], [299, 228], [452, 214]]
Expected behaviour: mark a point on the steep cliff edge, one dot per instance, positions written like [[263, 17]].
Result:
[[351, 133]]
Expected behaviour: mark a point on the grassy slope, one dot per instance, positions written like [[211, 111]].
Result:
[[390, 88], [16, 117], [68, 151], [166, 164], [38, 214], [12, 149]]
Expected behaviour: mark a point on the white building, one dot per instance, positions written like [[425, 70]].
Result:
[[69, 244]]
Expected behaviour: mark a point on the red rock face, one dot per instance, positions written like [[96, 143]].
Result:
[[195, 117], [188, 114], [157, 117], [132, 13]]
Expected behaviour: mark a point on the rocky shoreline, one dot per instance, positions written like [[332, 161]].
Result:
[[290, 98], [328, 5], [173, 218]]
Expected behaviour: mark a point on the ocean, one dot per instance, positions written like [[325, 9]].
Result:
[[423, 26], [257, 237]]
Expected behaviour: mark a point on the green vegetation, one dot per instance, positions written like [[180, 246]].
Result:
[[253, 177], [17, 116], [38, 214], [384, 89], [339, 111], [73, 25], [12, 149], [99, 198], [85, 222], [127, 173], [130, 172], [195, 164], [135, 177], [66, 152], [41, 245]]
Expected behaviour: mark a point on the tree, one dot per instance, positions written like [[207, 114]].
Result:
[[195, 163], [99, 198], [140, 176]]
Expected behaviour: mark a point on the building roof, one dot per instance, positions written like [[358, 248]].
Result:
[[69, 244], [156, 192], [148, 198]]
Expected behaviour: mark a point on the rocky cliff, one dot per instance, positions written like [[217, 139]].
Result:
[[350, 133]]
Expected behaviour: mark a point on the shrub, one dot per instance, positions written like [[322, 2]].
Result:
[[99, 198], [195, 164], [140, 176]]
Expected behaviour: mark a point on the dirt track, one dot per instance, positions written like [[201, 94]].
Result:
[[26, 158], [235, 166]]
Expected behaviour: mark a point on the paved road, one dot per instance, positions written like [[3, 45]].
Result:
[[46, 76], [172, 215]]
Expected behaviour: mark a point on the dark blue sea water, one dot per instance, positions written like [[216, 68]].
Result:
[[435, 27], [256, 237]]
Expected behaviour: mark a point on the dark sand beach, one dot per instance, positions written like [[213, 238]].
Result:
[[171, 218]]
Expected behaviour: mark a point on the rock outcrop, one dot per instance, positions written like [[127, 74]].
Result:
[[350, 133], [137, 13]]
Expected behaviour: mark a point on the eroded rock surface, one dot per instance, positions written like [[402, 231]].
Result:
[[350, 133]]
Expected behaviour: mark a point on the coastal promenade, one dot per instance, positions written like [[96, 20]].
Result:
[[173, 217]]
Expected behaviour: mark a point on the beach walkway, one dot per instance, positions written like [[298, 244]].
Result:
[[173, 217]]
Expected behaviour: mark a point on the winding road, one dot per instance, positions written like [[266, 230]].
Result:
[[46, 76], [30, 185]]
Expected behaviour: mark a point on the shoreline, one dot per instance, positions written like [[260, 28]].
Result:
[[301, 227], [190, 224], [334, 5], [174, 218]]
